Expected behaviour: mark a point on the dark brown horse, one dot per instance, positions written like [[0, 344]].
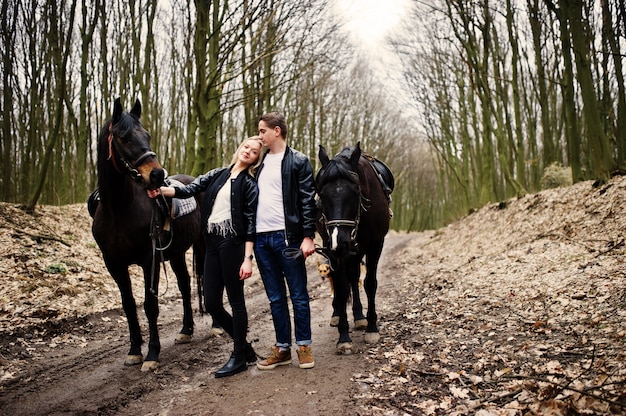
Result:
[[353, 223], [130, 228]]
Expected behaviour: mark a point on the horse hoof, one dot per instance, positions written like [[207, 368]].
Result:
[[344, 348], [133, 360], [334, 321], [182, 339], [216, 332], [149, 366], [360, 324], [372, 337]]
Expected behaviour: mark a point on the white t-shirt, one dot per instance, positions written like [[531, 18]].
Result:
[[220, 221], [221, 206], [270, 215]]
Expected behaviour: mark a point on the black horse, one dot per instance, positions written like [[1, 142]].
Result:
[[130, 228], [353, 223]]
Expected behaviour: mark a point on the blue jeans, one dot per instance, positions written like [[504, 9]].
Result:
[[279, 272]]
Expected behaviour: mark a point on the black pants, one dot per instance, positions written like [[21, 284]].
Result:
[[224, 256]]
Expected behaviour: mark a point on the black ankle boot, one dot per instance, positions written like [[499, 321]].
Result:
[[250, 355], [236, 364]]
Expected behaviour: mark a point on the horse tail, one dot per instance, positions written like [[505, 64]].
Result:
[[198, 269]]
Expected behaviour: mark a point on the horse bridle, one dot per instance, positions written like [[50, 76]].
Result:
[[131, 168], [328, 224], [345, 223]]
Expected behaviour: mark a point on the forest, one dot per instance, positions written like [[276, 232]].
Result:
[[494, 98]]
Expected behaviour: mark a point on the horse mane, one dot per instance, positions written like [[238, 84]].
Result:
[[125, 125], [103, 154], [338, 166], [122, 127]]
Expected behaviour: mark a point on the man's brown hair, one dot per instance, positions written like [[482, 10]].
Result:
[[275, 119]]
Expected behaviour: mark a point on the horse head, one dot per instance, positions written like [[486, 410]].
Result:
[[338, 188], [128, 147]]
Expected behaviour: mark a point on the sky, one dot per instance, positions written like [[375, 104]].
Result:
[[368, 21]]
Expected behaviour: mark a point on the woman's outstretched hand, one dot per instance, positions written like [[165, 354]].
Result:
[[164, 190], [153, 193]]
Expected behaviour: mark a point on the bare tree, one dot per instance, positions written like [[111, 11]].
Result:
[[8, 33], [61, 43]]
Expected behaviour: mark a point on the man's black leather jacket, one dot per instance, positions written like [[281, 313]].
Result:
[[298, 196]]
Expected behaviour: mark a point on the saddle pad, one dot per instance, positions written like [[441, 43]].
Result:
[[180, 206]]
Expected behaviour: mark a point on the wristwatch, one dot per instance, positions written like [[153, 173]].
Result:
[[251, 256]]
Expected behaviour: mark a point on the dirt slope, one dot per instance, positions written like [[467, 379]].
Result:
[[516, 309]]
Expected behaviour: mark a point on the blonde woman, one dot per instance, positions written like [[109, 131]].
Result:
[[229, 219]]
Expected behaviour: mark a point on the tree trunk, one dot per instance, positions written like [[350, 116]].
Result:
[[62, 55], [600, 152], [614, 45], [208, 32], [8, 22], [83, 140], [516, 81], [572, 129], [549, 154]]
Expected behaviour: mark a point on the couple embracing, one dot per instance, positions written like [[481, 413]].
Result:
[[263, 203]]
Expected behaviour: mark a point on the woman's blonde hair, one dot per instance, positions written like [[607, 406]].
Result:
[[252, 168]]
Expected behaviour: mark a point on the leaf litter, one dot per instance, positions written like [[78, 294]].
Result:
[[516, 309]]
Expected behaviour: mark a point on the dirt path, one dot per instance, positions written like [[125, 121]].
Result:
[[88, 377]]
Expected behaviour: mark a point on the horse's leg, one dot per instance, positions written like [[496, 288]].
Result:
[[179, 266], [122, 278], [198, 255], [334, 319], [344, 345], [372, 336], [151, 307], [360, 322]]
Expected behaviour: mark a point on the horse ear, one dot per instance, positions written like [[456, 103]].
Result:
[[117, 110], [323, 156], [356, 155], [136, 110]]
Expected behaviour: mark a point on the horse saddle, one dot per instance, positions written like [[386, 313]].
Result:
[[92, 202], [179, 207], [383, 173]]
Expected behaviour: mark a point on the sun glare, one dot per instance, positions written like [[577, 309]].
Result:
[[370, 20]]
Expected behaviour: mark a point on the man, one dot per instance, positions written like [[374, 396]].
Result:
[[285, 229]]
